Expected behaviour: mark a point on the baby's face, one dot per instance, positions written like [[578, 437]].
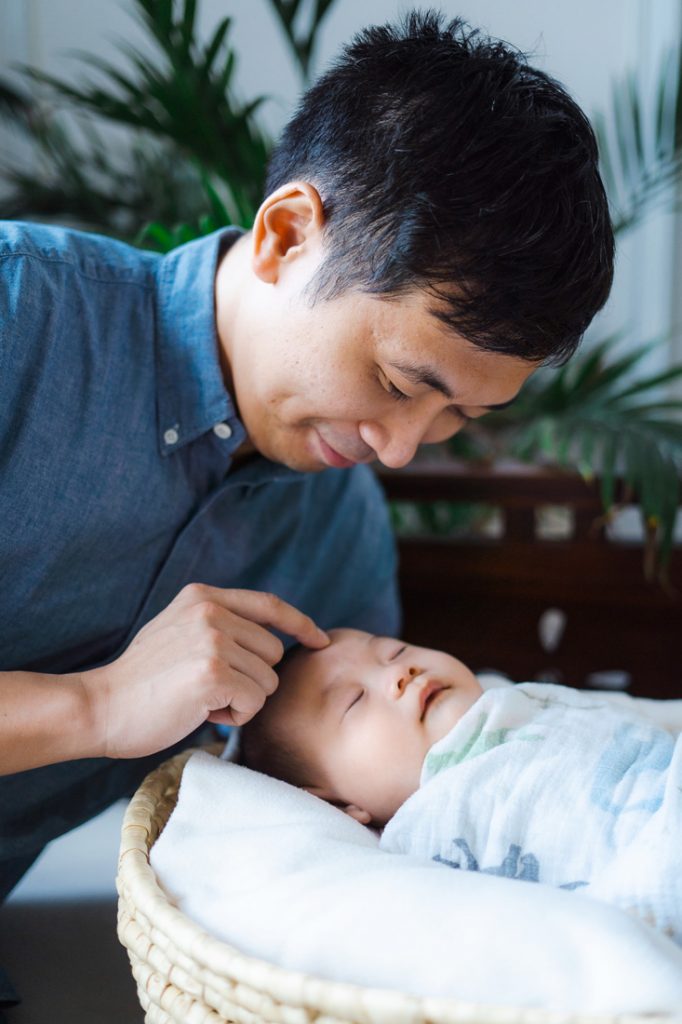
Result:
[[366, 710]]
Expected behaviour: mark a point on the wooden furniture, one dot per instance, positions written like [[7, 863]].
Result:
[[492, 601]]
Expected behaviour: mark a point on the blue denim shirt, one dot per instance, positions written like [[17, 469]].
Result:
[[116, 442]]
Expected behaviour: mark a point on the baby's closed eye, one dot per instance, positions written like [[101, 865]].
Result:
[[355, 700]]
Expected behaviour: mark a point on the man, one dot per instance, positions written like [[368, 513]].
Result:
[[180, 436]]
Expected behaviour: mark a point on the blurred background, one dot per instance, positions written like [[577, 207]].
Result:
[[151, 120]]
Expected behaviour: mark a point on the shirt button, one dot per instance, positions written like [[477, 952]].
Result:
[[171, 436], [223, 431]]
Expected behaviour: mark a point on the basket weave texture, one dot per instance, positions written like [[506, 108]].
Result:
[[186, 976]]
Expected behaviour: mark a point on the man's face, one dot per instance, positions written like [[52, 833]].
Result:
[[366, 710], [356, 378]]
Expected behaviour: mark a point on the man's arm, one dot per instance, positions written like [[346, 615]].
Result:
[[43, 719], [207, 656]]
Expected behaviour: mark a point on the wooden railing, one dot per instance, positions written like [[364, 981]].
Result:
[[576, 610]]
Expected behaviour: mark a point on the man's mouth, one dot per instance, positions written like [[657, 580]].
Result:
[[335, 458], [428, 695]]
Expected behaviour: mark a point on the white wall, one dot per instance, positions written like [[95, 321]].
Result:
[[586, 45], [583, 43]]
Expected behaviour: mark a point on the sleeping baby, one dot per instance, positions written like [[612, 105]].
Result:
[[531, 781]]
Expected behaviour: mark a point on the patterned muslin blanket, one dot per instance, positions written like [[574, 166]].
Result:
[[547, 784]]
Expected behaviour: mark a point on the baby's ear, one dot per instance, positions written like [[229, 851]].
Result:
[[320, 791], [364, 817]]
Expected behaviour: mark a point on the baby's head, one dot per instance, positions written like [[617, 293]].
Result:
[[352, 723]]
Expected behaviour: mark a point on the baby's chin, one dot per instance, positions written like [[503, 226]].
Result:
[[445, 710], [395, 793]]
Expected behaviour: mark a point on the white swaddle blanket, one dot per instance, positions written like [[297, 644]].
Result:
[[286, 877], [549, 784]]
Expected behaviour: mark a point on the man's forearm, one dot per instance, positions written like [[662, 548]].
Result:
[[208, 656], [44, 719]]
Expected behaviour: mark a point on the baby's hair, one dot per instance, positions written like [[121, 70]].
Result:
[[265, 747]]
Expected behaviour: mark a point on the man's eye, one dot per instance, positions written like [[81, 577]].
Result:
[[393, 391], [461, 416], [396, 393]]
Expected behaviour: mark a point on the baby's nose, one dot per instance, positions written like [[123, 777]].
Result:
[[406, 676]]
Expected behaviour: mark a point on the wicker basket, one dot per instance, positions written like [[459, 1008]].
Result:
[[185, 975]]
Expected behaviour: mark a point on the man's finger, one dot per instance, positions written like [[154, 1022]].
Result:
[[242, 697], [262, 608], [252, 666]]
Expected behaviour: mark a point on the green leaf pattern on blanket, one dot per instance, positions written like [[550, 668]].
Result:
[[479, 742]]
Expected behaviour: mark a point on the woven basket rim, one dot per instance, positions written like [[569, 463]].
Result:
[[137, 880]]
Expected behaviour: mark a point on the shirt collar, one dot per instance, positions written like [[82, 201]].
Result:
[[191, 393]]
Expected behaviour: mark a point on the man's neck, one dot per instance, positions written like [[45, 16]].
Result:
[[244, 453], [230, 279]]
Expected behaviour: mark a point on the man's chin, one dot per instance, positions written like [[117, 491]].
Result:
[[299, 449], [293, 455], [302, 465]]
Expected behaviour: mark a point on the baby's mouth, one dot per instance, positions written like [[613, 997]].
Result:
[[428, 695]]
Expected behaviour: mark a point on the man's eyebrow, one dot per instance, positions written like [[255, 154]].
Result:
[[418, 373]]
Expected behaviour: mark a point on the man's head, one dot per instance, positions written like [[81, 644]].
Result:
[[353, 723], [435, 228]]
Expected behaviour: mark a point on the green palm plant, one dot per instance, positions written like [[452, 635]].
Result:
[[640, 143], [301, 37], [78, 179], [183, 97], [199, 156]]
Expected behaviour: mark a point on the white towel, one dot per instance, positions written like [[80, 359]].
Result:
[[547, 784], [285, 877]]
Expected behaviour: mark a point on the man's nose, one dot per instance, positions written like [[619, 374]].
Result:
[[395, 445], [395, 441]]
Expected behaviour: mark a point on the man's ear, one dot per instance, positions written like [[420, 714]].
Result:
[[364, 817], [290, 219]]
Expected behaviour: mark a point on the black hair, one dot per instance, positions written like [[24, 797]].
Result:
[[445, 162], [265, 746]]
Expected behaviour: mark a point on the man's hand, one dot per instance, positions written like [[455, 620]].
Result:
[[207, 656]]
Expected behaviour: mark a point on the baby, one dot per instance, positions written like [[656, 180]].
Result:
[[531, 781], [353, 723]]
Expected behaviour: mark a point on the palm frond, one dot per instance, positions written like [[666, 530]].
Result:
[[183, 96], [640, 143], [156, 235], [79, 180], [14, 105], [301, 39]]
